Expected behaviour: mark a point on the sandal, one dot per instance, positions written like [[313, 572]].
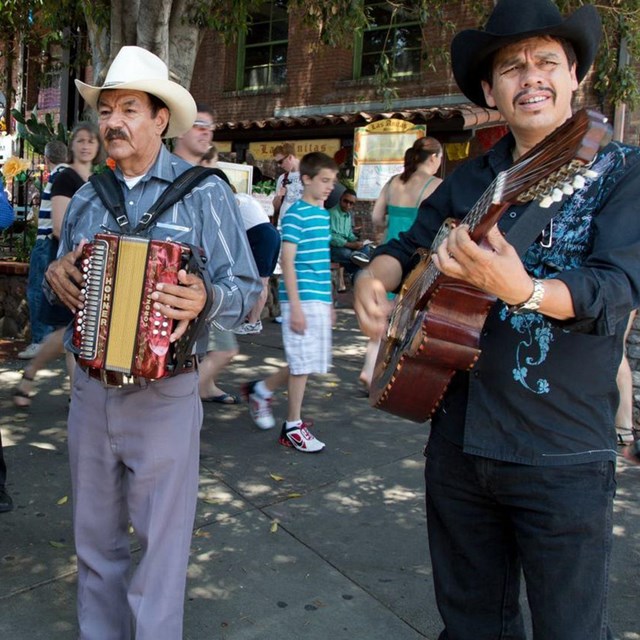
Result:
[[223, 398], [22, 398]]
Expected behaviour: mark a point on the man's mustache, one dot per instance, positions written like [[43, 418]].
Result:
[[115, 134], [526, 92]]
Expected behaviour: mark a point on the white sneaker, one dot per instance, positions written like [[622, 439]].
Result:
[[249, 327], [359, 258], [259, 407], [300, 438], [30, 351], [278, 319]]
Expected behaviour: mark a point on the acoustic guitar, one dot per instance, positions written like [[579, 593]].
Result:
[[434, 329]]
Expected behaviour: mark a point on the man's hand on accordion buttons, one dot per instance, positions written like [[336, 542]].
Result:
[[182, 302], [66, 279]]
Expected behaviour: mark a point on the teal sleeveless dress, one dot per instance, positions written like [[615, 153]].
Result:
[[399, 219]]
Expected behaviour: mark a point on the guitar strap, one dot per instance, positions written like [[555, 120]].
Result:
[[530, 225], [534, 221]]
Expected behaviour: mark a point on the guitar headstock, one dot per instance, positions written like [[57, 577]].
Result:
[[559, 164]]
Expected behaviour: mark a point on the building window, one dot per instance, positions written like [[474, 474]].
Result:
[[263, 50], [392, 33]]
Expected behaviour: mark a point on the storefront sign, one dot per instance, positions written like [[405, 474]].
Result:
[[264, 150], [223, 146], [378, 153]]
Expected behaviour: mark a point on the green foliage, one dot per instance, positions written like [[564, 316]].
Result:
[[337, 20], [22, 249], [38, 132], [228, 17], [347, 182], [620, 19], [265, 187]]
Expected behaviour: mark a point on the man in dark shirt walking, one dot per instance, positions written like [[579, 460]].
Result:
[[521, 455]]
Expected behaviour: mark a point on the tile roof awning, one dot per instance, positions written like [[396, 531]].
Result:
[[451, 118]]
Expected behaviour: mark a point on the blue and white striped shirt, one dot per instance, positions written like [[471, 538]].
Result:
[[308, 227], [45, 226]]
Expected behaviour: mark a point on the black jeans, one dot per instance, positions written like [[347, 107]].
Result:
[[489, 521]]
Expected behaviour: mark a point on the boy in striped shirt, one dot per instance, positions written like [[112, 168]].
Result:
[[306, 304]]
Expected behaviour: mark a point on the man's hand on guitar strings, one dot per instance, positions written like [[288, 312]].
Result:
[[493, 266], [371, 305], [182, 301], [65, 279]]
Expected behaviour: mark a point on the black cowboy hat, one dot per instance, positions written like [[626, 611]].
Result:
[[514, 20]]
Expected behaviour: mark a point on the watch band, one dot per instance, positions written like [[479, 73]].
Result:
[[534, 300]]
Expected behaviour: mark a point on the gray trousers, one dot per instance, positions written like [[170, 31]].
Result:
[[134, 455]]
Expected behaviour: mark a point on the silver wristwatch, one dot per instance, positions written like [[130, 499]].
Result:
[[534, 300]]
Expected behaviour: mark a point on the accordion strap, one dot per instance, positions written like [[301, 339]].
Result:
[[110, 192]]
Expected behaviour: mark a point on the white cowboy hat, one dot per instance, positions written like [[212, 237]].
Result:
[[138, 69]]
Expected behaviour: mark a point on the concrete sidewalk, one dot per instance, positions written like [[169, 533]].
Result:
[[286, 545]]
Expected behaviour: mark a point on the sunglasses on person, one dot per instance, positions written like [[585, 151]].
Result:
[[279, 162], [202, 124]]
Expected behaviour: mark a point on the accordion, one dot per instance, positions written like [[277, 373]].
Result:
[[118, 329]]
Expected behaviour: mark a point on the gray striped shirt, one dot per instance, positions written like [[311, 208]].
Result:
[[207, 217]]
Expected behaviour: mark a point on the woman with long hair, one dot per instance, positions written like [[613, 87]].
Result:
[[397, 207], [86, 151]]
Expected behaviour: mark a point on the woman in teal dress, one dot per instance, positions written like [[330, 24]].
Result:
[[397, 207]]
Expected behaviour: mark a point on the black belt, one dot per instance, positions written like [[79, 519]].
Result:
[[117, 379]]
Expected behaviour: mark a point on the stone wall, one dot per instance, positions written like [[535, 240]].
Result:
[[14, 311]]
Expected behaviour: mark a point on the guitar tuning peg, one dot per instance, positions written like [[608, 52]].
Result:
[[546, 202], [578, 182], [567, 189], [590, 173], [556, 195]]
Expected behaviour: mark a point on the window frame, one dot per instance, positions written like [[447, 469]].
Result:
[[358, 47], [242, 50]]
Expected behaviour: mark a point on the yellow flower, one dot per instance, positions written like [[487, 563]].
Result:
[[14, 166]]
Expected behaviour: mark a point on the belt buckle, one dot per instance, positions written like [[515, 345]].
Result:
[[117, 380], [128, 380]]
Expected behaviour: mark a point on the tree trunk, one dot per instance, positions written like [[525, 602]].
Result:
[[160, 26], [184, 40]]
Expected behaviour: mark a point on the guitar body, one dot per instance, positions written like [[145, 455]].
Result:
[[434, 329], [412, 374]]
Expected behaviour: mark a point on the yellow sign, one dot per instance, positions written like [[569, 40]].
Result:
[[264, 150], [390, 125], [378, 153], [223, 146]]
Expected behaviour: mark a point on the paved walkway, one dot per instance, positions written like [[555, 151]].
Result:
[[286, 545]]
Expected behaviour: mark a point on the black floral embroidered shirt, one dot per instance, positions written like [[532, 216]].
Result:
[[544, 392]]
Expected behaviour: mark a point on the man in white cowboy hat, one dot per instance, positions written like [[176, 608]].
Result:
[[521, 455], [134, 449]]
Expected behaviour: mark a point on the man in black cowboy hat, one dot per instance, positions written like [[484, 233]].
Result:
[[521, 454]]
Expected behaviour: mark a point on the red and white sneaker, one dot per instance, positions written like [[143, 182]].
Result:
[[259, 407], [300, 438]]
